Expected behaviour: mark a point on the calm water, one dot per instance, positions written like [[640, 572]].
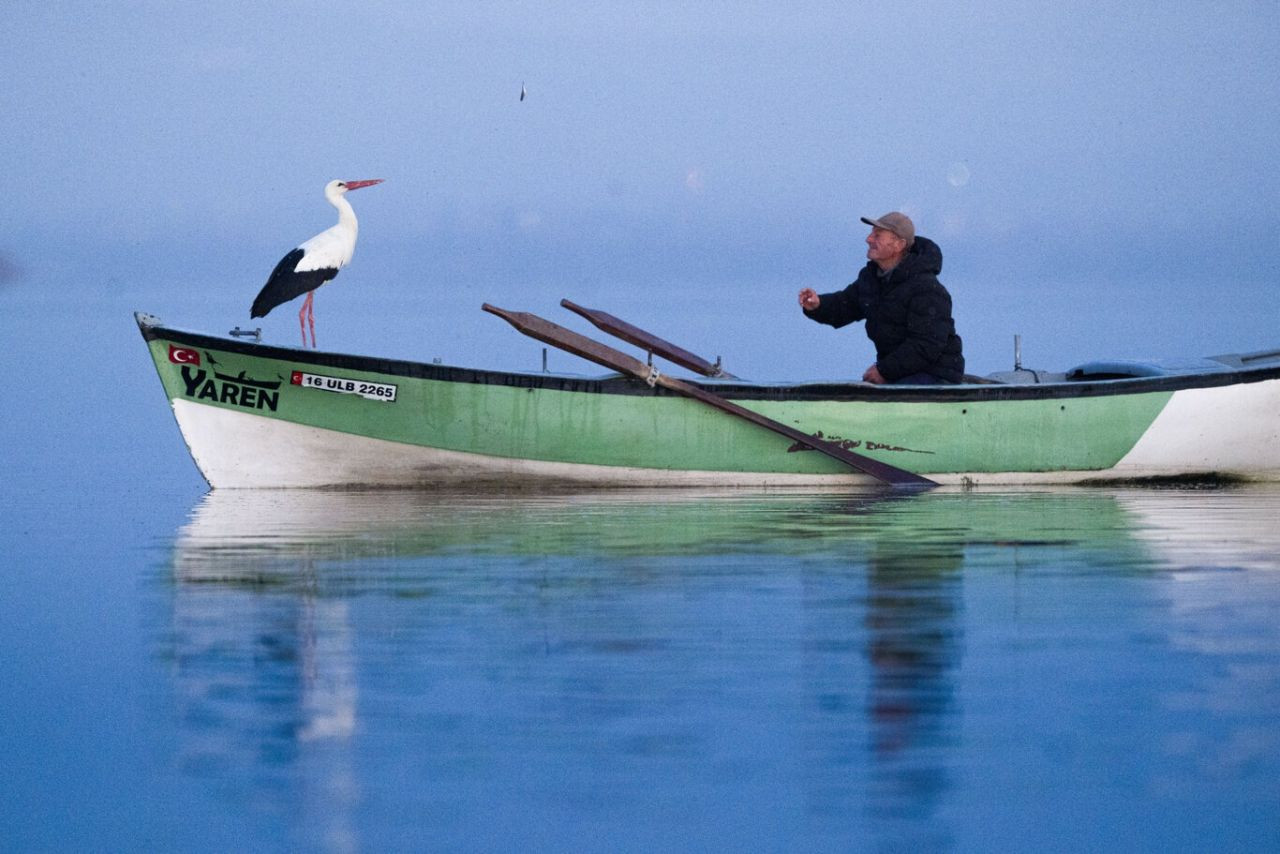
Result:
[[1036, 670], [1063, 669]]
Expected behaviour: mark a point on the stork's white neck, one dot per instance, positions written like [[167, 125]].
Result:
[[346, 214]]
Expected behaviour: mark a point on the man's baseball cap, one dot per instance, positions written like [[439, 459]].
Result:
[[898, 223]]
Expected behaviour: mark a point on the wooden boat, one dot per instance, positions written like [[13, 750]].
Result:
[[261, 416]]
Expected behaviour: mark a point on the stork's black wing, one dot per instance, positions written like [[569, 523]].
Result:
[[285, 284]]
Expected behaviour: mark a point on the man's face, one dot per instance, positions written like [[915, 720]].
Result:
[[885, 248]]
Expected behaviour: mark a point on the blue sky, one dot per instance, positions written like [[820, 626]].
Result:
[[1099, 174]]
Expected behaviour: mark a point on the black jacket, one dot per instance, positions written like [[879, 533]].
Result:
[[908, 315]]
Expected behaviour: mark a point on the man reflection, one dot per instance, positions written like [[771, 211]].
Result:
[[913, 647], [884, 641]]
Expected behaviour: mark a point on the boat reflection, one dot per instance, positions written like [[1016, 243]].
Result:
[[286, 603]]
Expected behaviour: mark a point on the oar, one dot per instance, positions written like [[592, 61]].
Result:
[[601, 354], [648, 341]]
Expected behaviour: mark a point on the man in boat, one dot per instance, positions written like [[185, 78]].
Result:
[[906, 309]]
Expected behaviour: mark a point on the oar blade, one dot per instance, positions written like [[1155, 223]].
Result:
[[897, 477]]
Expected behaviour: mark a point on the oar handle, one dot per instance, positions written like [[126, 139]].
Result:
[[647, 341], [566, 339]]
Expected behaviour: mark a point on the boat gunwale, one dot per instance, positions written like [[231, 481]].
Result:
[[736, 389]]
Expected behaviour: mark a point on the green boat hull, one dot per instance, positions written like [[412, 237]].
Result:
[[263, 416]]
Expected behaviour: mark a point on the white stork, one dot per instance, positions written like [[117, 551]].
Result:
[[314, 262]]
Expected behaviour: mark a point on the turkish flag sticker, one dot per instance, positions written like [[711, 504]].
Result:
[[183, 356]]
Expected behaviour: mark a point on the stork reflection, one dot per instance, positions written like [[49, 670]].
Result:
[[266, 671]]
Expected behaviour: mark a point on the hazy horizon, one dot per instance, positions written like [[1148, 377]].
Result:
[[1097, 176]]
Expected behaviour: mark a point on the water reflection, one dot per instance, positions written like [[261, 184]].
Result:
[[914, 649], [267, 689], [340, 657]]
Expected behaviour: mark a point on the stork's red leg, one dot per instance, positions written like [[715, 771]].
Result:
[[311, 317], [302, 319]]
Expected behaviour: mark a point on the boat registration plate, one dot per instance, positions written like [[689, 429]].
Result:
[[385, 392]]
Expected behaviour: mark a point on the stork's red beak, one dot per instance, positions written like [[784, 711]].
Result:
[[355, 185]]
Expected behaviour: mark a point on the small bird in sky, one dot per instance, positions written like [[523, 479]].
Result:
[[314, 262], [523, 92]]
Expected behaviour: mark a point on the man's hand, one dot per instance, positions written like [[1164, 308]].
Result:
[[809, 299], [872, 375]]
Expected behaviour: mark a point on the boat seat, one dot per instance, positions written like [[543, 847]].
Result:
[[1114, 370]]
